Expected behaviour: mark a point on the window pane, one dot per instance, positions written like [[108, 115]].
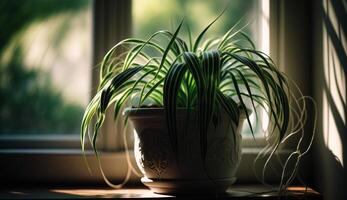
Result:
[[45, 66], [153, 15]]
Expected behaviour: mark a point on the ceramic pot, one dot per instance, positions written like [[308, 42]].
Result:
[[165, 174]]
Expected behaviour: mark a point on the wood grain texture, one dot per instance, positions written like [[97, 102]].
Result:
[[235, 192]]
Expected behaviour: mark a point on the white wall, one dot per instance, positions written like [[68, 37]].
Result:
[[330, 65]]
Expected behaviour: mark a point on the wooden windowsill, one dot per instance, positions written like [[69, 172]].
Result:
[[237, 191]]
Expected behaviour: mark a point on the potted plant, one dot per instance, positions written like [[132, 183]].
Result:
[[188, 101]]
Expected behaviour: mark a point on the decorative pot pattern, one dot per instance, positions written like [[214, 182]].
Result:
[[158, 163], [153, 151]]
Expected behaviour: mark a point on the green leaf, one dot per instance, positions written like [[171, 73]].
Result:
[[171, 86], [201, 35]]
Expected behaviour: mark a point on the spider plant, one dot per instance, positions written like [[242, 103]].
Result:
[[206, 75]]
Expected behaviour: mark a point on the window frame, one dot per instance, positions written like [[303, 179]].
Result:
[[38, 153], [108, 16]]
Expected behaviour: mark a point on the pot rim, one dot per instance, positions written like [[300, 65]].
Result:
[[159, 111]]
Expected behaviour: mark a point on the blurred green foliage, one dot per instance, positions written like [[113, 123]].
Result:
[[152, 15], [16, 15], [28, 101], [30, 104]]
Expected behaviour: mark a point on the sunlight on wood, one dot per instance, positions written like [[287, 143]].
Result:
[[109, 192], [301, 190]]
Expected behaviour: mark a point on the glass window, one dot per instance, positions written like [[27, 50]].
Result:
[[153, 15], [45, 66]]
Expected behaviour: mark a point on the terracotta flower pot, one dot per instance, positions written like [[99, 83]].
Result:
[[163, 173]]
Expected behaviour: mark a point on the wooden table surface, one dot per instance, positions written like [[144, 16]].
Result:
[[235, 192]]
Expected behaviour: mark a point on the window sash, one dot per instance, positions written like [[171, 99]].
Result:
[[111, 23]]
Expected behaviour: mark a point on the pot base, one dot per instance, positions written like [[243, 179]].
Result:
[[216, 186]]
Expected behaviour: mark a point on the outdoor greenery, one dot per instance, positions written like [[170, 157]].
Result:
[[30, 92], [147, 18], [30, 104], [204, 74]]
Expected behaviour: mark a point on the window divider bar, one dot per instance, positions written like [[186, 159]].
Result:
[[111, 24]]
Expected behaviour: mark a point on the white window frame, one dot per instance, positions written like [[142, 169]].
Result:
[[59, 160]]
